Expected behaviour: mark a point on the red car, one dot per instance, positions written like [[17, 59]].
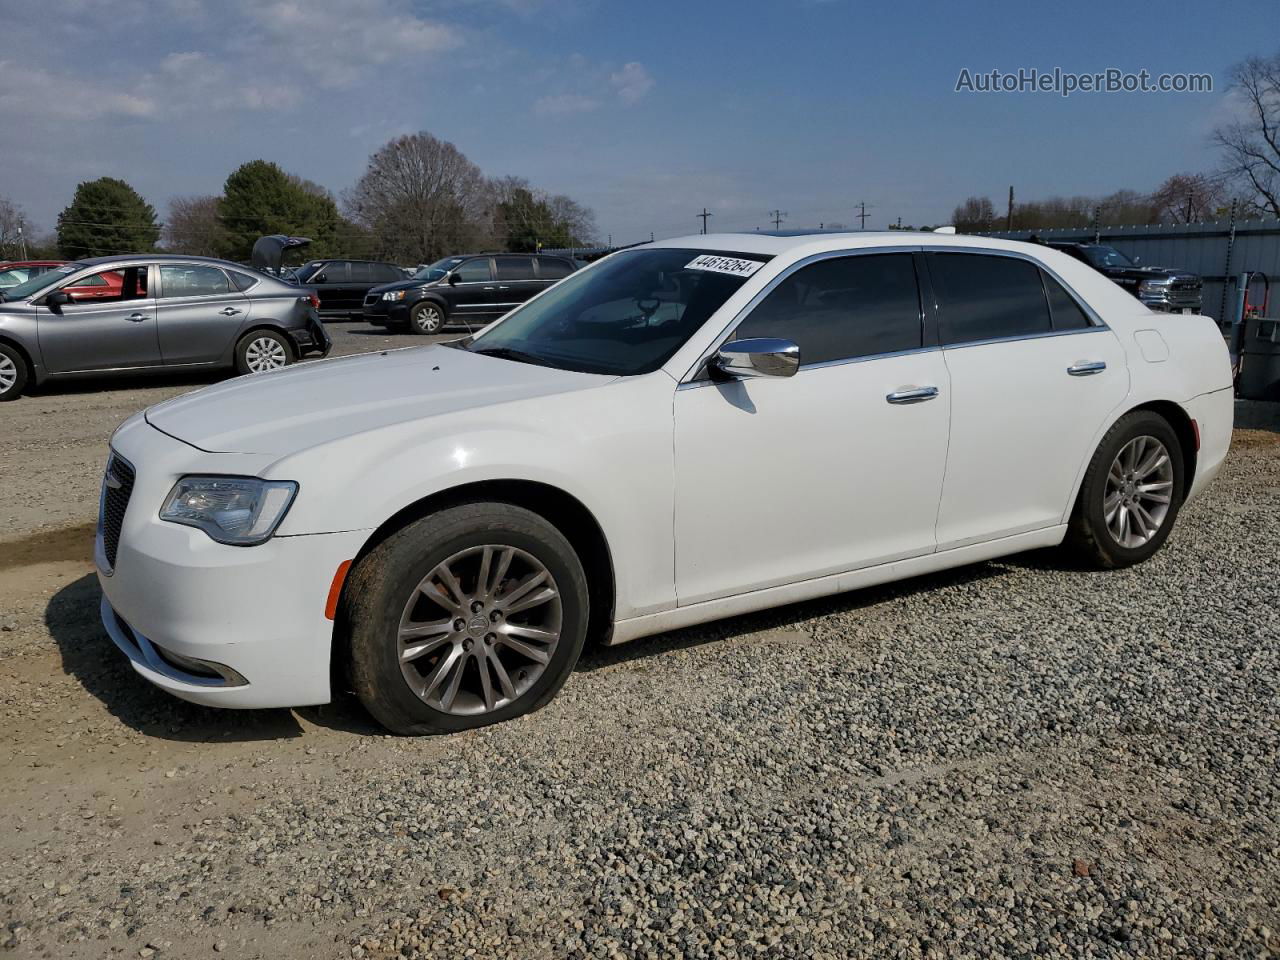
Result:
[[97, 287]]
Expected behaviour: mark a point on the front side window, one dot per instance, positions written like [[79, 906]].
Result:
[[987, 297], [335, 271], [473, 271], [437, 270], [109, 286], [193, 281], [550, 268], [842, 308], [625, 316]]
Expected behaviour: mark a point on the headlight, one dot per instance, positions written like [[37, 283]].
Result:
[[1152, 286], [241, 511], [393, 295]]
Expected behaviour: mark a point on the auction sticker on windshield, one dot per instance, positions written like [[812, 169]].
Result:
[[729, 265]]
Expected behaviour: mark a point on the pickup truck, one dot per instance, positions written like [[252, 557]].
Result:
[[1169, 291]]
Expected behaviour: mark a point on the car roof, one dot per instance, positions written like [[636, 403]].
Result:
[[133, 258], [799, 243], [6, 264]]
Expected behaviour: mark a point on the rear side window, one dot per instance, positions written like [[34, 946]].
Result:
[[241, 281], [387, 272], [550, 269], [362, 272], [1066, 313], [843, 308], [985, 297], [473, 271], [192, 281], [514, 268]]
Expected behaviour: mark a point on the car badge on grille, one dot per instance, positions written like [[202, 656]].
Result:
[[112, 481]]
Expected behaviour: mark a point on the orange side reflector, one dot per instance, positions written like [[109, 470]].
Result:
[[335, 589], [1195, 428]]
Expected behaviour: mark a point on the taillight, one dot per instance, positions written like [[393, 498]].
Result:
[[313, 300]]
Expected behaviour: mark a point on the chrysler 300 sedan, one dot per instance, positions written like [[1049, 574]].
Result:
[[113, 315], [682, 431]]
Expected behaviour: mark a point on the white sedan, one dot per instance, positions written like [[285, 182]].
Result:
[[683, 431]]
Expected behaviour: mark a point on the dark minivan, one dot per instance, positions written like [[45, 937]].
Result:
[[342, 284], [468, 291]]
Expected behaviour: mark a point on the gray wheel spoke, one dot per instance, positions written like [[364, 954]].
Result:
[[1138, 491], [480, 588]]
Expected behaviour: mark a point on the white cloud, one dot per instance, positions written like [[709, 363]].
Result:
[[564, 103], [26, 90], [633, 83]]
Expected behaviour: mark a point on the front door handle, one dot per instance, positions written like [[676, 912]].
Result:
[[913, 395], [488, 288], [504, 288], [136, 317], [229, 312], [1087, 369]]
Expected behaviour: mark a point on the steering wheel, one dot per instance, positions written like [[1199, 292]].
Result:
[[647, 306]]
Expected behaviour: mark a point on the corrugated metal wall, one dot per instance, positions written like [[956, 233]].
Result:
[[1199, 247]]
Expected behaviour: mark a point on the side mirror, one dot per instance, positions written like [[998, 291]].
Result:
[[759, 357], [319, 278], [56, 300], [453, 279]]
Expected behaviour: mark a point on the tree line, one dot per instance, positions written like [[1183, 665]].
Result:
[[419, 199]]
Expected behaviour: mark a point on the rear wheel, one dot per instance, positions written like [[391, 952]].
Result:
[[470, 616], [426, 318], [13, 373], [261, 351], [1131, 493]]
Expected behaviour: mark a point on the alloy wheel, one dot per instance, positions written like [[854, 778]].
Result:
[[479, 630], [428, 319], [265, 353], [8, 373], [1138, 492]]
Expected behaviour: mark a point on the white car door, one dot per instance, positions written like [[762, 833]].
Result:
[[837, 467], [1030, 388]]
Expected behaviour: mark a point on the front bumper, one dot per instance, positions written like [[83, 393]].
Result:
[[384, 313], [1172, 301], [214, 624]]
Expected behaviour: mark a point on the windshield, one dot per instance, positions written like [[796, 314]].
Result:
[[1107, 257], [40, 282], [437, 270], [624, 317]]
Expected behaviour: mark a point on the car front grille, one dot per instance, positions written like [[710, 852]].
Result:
[[117, 487]]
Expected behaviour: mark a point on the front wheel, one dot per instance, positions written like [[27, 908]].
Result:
[[1131, 493], [426, 318], [262, 351], [13, 373], [470, 616]]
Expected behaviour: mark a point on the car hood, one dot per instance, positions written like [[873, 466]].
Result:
[[311, 404], [400, 285]]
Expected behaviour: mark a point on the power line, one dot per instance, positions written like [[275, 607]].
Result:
[[862, 216], [777, 216], [704, 214]]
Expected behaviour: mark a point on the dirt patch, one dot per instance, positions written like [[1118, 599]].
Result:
[[49, 546]]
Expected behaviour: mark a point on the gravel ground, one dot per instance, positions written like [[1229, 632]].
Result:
[[1017, 759]]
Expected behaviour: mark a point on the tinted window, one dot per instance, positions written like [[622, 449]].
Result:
[[110, 286], [549, 269], [1066, 313], [191, 281], [473, 271], [241, 281], [335, 271], [841, 308], [362, 272], [9, 278], [514, 268], [984, 297], [387, 272]]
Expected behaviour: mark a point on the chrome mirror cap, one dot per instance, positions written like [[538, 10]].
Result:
[[759, 357]]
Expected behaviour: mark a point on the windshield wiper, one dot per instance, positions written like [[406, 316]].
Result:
[[511, 353]]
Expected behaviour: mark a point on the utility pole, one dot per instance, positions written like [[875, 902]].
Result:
[[1190, 194], [899, 223], [862, 215], [1097, 212], [704, 214], [1008, 220], [777, 216], [22, 240]]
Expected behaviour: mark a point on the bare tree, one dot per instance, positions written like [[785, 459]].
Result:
[[1251, 144], [12, 221], [976, 213], [1188, 198], [420, 198], [193, 227]]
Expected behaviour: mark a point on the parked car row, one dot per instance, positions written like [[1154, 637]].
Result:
[[152, 312]]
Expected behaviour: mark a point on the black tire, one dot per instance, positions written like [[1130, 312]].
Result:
[[253, 341], [427, 318], [13, 366], [1088, 535], [383, 582]]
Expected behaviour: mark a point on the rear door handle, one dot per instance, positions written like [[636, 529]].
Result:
[[136, 317], [504, 288], [1087, 369], [229, 312], [913, 395]]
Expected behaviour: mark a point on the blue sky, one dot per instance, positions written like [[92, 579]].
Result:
[[643, 111]]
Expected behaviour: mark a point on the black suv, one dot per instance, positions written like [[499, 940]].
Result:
[[1170, 291], [464, 291], [342, 284]]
